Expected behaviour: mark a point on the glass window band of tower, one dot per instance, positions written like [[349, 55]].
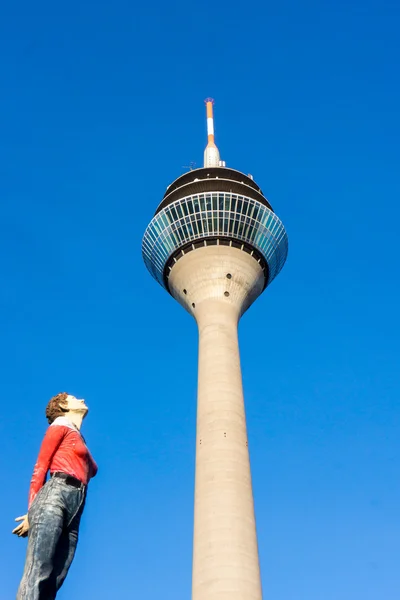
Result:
[[214, 215]]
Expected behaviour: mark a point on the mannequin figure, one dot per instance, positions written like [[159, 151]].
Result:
[[55, 507]]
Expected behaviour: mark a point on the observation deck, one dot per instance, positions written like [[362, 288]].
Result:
[[208, 206]]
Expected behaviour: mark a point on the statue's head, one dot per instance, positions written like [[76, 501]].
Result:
[[64, 403]]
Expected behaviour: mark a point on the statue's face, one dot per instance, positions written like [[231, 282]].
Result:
[[75, 404]]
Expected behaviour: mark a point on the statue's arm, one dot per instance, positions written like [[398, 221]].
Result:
[[52, 440]]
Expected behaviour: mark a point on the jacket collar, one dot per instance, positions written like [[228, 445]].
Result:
[[65, 422]]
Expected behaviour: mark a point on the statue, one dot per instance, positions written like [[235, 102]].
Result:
[[55, 507]]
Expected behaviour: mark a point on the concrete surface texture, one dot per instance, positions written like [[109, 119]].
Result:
[[216, 284]]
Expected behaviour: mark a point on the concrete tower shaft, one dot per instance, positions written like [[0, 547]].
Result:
[[217, 284]]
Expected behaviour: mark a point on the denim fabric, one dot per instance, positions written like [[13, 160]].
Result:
[[54, 519]]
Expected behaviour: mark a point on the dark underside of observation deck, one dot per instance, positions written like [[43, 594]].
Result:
[[214, 241], [215, 179]]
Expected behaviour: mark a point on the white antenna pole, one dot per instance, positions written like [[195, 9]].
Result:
[[211, 153]]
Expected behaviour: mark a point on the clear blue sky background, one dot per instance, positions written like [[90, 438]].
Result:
[[101, 108]]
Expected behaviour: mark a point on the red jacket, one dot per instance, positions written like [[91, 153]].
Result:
[[63, 449]]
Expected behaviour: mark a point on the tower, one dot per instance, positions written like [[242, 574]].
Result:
[[215, 244]]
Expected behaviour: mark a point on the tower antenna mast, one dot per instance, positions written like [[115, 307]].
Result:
[[211, 153]]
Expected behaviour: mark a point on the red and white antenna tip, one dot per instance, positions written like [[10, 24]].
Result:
[[211, 155], [210, 123]]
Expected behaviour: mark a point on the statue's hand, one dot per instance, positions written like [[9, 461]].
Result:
[[22, 529]]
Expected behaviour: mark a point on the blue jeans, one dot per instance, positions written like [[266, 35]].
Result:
[[54, 518]]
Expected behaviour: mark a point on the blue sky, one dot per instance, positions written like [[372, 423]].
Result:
[[101, 108]]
